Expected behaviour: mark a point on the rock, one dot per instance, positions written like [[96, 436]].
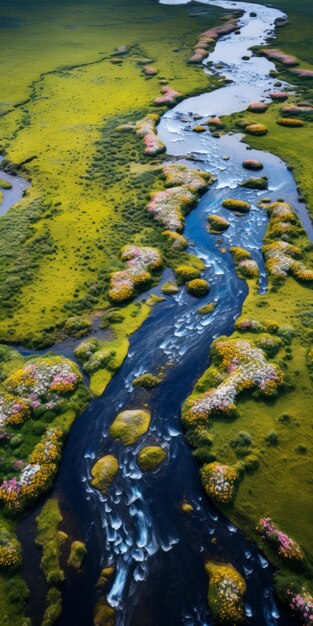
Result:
[[150, 458], [207, 308], [62, 537], [199, 129], [105, 575], [236, 205], [103, 472], [185, 507], [217, 224], [130, 425], [77, 554], [215, 121], [279, 95], [169, 288], [258, 107], [255, 183], [198, 287], [104, 615], [252, 164]]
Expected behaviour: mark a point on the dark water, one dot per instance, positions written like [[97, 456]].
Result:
[[158, 551]]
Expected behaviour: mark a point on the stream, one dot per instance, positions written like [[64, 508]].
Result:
[[158, 551]]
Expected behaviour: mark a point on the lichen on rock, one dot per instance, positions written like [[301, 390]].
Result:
[[104, 471], [130, 425], [151, 457]]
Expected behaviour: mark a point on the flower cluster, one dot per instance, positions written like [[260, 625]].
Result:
[[226, 592], [245, 368], [146, 128], [177, 174], [269, 344], [302, 606], [37, 475], [13, 411], [219, 481], [168, 206], [236, 205], [280, 255], [248, 268], [277, 55], [139, 261], [170, 96], [257, 107], [184, 185], [208, 38], [10, 549], [287, 547], [42, 382]]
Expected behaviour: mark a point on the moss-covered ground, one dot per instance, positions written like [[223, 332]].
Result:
[[63, 95]]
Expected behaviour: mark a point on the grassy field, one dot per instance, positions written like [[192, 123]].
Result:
[[62, 96]]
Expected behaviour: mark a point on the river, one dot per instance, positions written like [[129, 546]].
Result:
[[157, 550]]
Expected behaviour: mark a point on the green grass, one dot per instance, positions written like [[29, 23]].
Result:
[[59, 244], [279, 485]]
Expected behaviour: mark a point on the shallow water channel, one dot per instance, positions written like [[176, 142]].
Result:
[[157, 550]]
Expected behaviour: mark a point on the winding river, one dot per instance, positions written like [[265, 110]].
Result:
[[157, 550]]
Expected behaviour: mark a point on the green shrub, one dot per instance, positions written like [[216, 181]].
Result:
[[198, 287], [272, 438], [236, 205]]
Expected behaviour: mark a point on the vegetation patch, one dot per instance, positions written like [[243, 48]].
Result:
[[227, 589], [290, 122], [148, 380], [198, 287], [217, 224], [130, 425], [77, 554], [103, 472], [236, 205], [255, 183], [184, 185], [256, 129], [151, 457]]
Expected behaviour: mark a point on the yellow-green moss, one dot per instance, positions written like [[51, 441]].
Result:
[[104, 615], [130, 425], [198, 287], [77, 554], [227, 589], [104, 471], [151, 457]]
